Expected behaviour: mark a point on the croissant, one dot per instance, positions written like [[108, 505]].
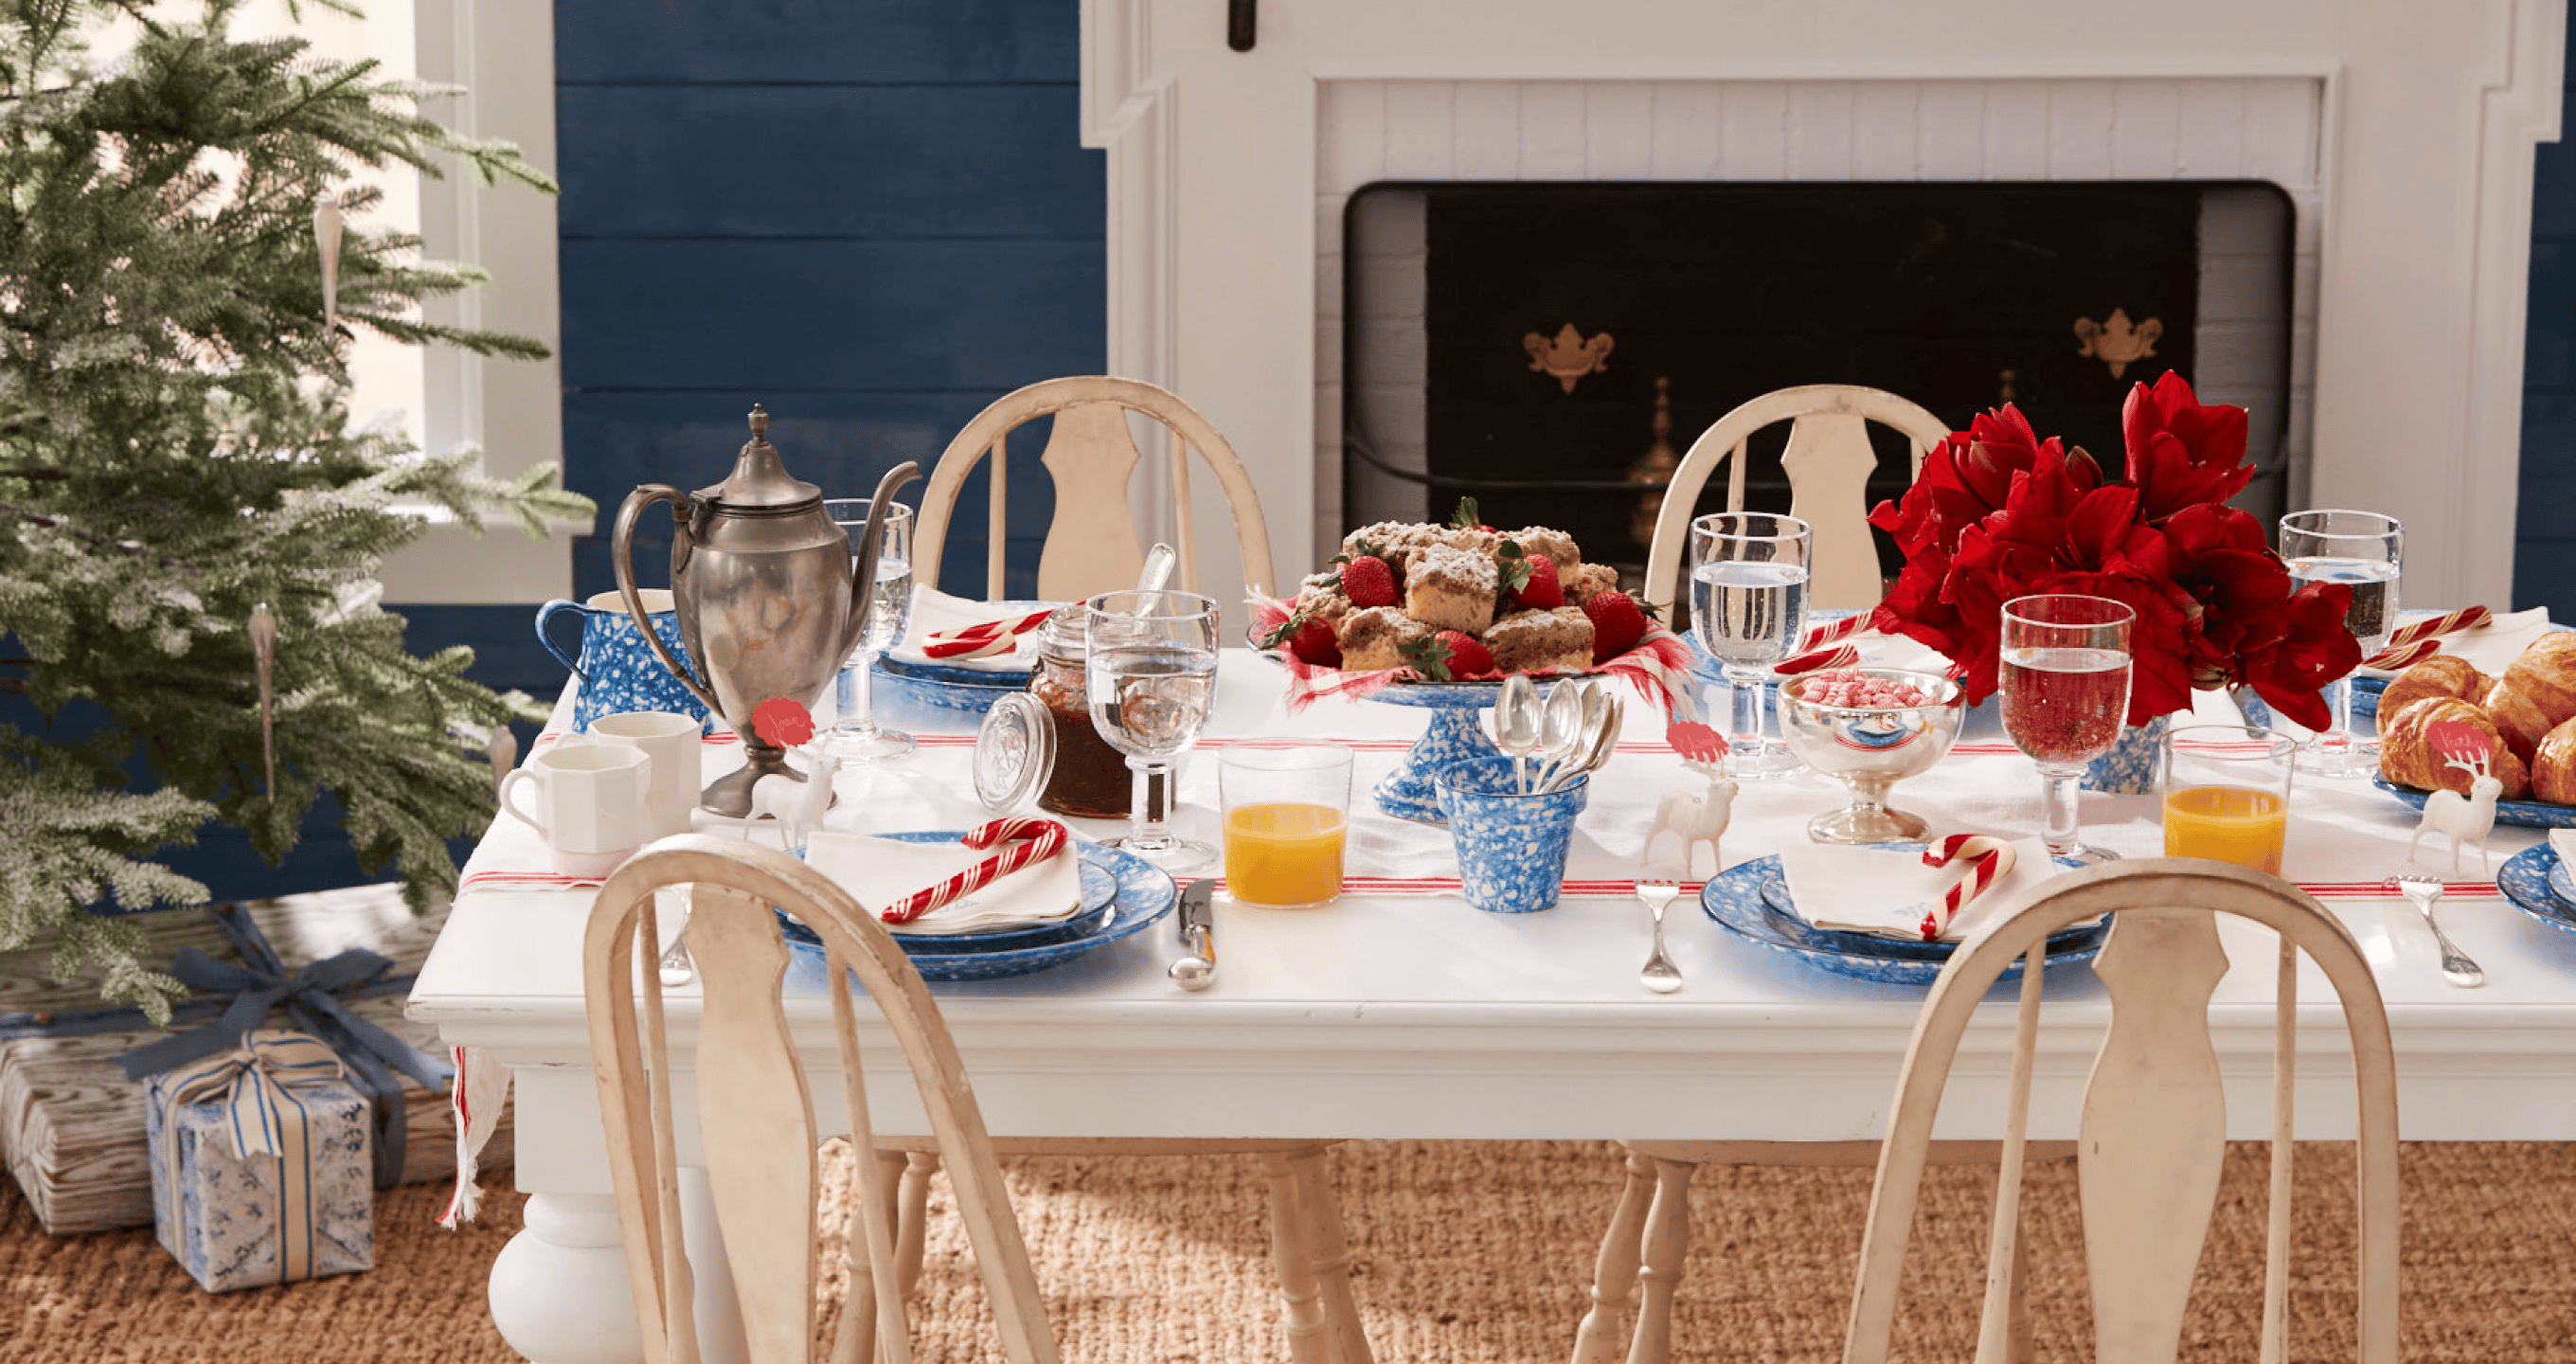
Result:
[[2440, 675], [2407, 758], [2537, 693], [2553, 768]]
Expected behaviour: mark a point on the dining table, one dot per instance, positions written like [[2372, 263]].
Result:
[[1401, 1012]]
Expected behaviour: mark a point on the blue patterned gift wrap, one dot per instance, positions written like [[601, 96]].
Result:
[[232, 1221], [1511, 847]]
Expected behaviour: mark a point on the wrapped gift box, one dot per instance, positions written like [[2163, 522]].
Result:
[[71, 1124], [235, 1220]]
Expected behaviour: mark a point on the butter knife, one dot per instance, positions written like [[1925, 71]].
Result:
[[1196, 968]]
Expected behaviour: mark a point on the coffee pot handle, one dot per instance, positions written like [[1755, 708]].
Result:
[[863, 568], [621, 556]]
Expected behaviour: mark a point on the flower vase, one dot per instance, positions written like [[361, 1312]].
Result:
[[2129, 769]]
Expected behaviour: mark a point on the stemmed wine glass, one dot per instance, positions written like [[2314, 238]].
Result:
[[2366, 551], [2065, 673], [1151, 677], [856, 736], [1748, 607]]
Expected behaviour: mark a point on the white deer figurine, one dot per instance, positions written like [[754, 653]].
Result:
[[2469, 818], [798, 806], [1696, 818]]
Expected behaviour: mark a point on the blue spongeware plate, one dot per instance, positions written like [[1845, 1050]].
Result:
[[1751, 900], [2561, 884], [2527, 877], [1139, 895], [2528, 814]]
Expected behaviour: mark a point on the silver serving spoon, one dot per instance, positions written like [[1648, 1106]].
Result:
[[1516, 725], [1560, 728], [1604, 744], [1597, 702]]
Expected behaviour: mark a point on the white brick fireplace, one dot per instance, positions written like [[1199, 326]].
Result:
[[2401, 132]]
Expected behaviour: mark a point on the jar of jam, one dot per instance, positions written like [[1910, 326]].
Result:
[[1091, 779]]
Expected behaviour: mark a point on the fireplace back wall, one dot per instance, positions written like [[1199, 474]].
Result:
[[1513, 339]]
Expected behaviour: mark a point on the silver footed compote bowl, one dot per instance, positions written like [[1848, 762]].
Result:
[[1872, 748]]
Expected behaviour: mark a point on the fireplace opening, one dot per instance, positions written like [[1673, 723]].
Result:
[[1551, 348]]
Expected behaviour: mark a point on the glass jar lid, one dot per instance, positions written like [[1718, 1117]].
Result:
[[1014, 752], [1066, 634]]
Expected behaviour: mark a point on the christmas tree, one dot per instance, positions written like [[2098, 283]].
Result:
[[175, 457]]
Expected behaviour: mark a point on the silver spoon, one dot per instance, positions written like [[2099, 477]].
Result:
[[1516, 725], [1603, 745], [1560, 728]]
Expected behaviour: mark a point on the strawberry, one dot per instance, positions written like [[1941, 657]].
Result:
[[1617, 625], [1368, 581], [1449, 655], [1315, 644], [1542, 592]]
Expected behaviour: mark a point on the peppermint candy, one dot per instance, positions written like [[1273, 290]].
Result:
[[2404, 655], [1030, 841], [1818, 636], [1988, 859], [1821, 658], [1850, 688], [2466, 618], [983, 640]]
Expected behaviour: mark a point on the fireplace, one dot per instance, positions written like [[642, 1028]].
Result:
[[2402, 142], [1550, 346]]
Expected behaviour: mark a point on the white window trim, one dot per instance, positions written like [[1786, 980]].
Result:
[[502, 52]]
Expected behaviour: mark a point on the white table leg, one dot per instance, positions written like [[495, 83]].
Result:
[[1599, 1340], [1300, 1298], [559, 1293], [1667, 1240]]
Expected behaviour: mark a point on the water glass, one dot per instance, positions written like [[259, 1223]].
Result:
[[2065, 675], [856, 737], [1748, 607], [1287, 814], [2226, 793], [1150, 678], [2365, 551]]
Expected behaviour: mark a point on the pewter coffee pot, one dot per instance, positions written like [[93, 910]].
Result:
[[769, 597]]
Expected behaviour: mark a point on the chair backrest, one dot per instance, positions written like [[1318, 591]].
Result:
[[754, 1114], [1828, 461], [1092, 545], [2154, 1121]]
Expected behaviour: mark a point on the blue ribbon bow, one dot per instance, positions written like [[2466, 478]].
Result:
[[313, 998]]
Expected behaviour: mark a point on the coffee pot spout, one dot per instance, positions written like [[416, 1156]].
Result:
[[863, 567]]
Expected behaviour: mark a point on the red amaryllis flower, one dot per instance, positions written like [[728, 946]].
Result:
[[1970, 477], [2230, 588], [2313, 651], [2182, 454]]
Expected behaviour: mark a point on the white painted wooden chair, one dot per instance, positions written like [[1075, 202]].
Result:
[[1828, 461], [2154, 1123], [755, 1115], [1092, 546]]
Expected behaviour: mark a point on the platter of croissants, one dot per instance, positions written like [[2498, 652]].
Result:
[[2528, 716]]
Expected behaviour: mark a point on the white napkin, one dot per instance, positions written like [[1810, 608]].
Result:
[[1886, 892], [2563, 843], [2492, 647], [881, 871], [934, 611]]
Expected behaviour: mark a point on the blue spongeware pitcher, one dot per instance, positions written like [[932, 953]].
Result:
[[618, 671]]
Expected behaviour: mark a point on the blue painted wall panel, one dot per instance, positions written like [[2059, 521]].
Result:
[[837, 42], [2544, 566], [897, 161]]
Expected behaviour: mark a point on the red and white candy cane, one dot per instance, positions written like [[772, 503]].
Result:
[[1031, 841], [1988, 859], [2466, 618], [1821, 658], [2403, 655], [1818, 636], [983, 640]]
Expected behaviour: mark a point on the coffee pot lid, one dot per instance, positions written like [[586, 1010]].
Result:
[[758, 480]]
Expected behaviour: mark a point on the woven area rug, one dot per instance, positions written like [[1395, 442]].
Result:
[[1464, 1252]]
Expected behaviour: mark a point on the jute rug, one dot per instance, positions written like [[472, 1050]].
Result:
[[1464, 1253]]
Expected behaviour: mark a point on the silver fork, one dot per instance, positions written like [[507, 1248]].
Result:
[[1659, 975], [2456, 966]]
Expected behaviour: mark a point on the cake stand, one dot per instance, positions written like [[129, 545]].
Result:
[[1452, 736]]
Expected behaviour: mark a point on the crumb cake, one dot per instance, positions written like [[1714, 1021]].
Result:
[[1321, 597], [1586, 581], [1375, 637], [1396, 542], [1556, 545], [1449, 588], [1528, 640]]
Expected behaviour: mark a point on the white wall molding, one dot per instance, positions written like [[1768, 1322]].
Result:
[[2412, 173]]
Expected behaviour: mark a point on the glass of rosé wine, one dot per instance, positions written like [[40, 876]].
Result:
[[2064, 670]]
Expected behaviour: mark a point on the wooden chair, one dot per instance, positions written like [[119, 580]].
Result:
[[1092, 546], [755, 1116], [2154, 1123], [1828, 461]]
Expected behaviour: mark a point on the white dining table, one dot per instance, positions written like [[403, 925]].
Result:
[[1406, 1013]]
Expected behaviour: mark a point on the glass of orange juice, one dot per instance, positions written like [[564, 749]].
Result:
[[1287, 808], [2226, 793]]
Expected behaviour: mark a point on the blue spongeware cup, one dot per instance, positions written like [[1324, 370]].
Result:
[[1511, 847], [618, 671]]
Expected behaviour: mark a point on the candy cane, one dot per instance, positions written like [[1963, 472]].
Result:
[[1032, 840], [1988, 858], [983, 640], [1821, 658], [2403, 655], [2466, 618], [1819, 636]]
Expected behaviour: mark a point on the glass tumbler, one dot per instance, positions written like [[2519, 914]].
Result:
[[1287, 810], [2366, 551], [2226, 793]]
